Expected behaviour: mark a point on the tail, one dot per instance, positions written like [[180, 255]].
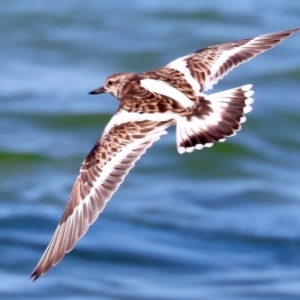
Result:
[[217, 116]]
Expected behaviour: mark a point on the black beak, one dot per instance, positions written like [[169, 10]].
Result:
[[97, 91]]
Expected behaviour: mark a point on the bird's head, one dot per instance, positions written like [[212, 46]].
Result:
[[113, 84]]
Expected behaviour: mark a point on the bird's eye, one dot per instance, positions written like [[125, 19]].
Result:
[[109, 82]]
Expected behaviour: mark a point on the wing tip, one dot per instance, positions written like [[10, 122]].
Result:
[[288, 32], [35, 275]]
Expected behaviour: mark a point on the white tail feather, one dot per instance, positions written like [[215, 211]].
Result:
[[222, 118]]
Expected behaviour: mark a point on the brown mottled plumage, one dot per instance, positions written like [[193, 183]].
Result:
[[150, 102]]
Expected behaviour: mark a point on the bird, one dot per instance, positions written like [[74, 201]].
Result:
[[150, 102]]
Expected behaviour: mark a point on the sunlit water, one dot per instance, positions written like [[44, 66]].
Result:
[[221, 223]]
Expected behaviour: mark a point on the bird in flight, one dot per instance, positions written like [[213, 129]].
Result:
[[150, 102]]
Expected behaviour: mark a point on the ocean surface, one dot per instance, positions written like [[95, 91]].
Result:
[[221, 223]]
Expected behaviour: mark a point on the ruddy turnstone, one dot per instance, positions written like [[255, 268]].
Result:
[[150, 102]]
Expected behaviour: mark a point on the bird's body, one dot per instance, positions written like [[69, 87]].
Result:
[[150, 102]]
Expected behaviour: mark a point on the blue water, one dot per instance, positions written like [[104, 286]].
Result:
[[221, 223]]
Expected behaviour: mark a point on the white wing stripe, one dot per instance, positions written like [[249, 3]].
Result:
[[162, 88], [134, 150], [123, 116], [225, 55]]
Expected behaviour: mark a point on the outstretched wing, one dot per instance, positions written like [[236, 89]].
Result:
[[126, 137], [207, 66]]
